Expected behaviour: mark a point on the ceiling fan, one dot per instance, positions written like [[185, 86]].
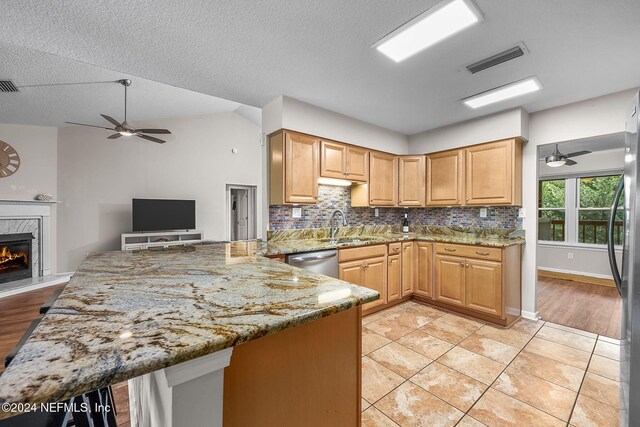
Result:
[[125, 128], [557, 159]]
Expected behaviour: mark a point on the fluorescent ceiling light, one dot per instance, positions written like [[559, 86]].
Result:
[[502, 93], [334, 181], [428, 28]]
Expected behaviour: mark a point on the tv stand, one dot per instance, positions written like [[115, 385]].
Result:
[[162, 239]]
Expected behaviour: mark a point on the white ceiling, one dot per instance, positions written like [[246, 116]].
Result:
[[319, 51], [53, 105]]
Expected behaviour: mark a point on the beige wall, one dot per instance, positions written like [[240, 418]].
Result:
[[97, 178], [37, 148]]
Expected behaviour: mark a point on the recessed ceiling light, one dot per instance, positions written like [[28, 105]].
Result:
[[502, 93], [428, 28]]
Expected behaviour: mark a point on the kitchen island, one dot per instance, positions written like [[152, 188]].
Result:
[[200, 329]]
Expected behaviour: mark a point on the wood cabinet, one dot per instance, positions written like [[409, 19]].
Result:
[[483, 284], [411, 180], [408, 268], [294, 168], [424, 269], [366, 266], [445, 178], [494, 173], [480, 281], [382, 189], [343, 161], [450, 285], [394, 277]]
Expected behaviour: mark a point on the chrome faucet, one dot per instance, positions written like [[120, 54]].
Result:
[[334, 229]]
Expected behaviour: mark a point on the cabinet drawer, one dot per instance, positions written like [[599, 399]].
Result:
[[362, 252], [394, 248], [478, 252]]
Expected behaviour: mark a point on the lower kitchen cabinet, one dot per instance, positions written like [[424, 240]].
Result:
[[408, 268], [480, 281], [366, 267], [394, 277], [424, 269], [450, 280]]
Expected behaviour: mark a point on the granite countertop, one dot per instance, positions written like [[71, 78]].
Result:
[[309, 240], [124, 314]]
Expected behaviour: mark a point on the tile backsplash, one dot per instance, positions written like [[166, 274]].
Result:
[[331, 198]]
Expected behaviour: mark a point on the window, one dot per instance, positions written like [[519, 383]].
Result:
[[551, 212], [576, 210], [595, 196]]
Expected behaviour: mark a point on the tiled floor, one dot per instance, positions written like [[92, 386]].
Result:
[[426, 367]]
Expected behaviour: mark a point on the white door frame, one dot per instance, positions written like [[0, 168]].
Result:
[[252, 210]]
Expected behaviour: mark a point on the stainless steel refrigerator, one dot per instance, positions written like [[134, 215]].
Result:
[[628, 280]]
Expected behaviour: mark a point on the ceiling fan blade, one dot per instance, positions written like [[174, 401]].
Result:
[[150, 138], [114, 136], [163, 131], [111, 120], [570, 162], [578, 153], [92, 126]]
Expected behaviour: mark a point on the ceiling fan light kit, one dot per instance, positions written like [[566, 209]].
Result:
[[125, 128], [557, 159]]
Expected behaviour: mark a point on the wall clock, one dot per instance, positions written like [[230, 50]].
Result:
[[9, 160]]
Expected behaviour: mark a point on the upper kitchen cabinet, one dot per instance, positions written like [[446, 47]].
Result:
[[294, 168], [445, 178], [382, 189], [343, 161], [411, 180], [494, 173]]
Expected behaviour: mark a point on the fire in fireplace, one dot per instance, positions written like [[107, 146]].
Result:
[[15, 256]]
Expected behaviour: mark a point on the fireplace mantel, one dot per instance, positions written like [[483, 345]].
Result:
[[28, 202]]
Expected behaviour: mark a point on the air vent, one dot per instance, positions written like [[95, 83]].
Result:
[[492, 61], [8, 86]]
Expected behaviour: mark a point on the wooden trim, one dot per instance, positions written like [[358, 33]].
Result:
[[465, 311], [372, 310], [577, 278]]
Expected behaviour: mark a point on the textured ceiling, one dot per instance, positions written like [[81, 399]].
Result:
[[53, 105], [319, 51]]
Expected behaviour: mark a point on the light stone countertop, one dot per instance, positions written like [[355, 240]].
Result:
[[124, 314]]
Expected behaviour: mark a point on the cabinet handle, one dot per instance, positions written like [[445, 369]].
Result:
[[467, 265], [462, 264], [449, 249], [482, 253]]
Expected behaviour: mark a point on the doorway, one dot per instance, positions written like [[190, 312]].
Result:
[[576, 188], [241, 212]]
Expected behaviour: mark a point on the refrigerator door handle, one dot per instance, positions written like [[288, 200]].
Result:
[[613, 263]]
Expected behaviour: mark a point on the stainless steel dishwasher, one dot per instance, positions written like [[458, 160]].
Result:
[[323, 262]]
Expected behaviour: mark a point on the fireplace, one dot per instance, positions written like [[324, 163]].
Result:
[[15, 256]]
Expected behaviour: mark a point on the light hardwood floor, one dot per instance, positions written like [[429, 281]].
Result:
[[579, 305]]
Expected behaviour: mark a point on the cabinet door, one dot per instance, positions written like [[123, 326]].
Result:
[[412, 181], [357, 164], [450, 272], [490, 173], [352, 271], [445, 178], [424, 269], [394, 277], [484, 286], [408, 267], [301, 168], [375, 277], [383, 179], [333, 160]]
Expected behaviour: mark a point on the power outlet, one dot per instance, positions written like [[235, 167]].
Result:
[[296, 213], [483, 212], [376, 212], [570, 255], [522, 213]]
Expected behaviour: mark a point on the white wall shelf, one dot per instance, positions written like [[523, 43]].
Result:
[[163, 239]]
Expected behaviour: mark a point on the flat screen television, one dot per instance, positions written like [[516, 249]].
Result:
[[163, 214]]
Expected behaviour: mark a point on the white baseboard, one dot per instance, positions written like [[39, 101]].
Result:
[[579, 273], [530, 315]]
